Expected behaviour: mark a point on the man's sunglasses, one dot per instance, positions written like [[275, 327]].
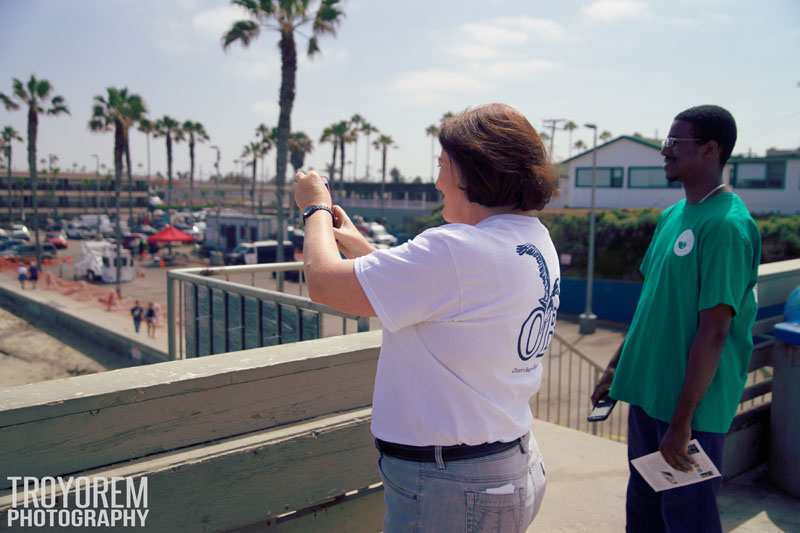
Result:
[[671, 142]]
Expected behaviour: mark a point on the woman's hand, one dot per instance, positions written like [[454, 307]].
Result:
[[310, 189], [350, 241]]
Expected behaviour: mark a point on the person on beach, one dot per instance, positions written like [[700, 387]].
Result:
[[137, 314], [468, 310], [22, 275], [150, 318], [33, 274]]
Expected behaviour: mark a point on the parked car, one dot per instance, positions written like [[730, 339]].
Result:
[[379, 235], [144, 228], [57, 239], [8, 244], [29, 251], [21, 232]]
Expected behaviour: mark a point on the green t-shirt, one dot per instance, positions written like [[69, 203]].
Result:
[[701, 255]]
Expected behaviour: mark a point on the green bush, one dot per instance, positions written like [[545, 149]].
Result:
[[622, 237]]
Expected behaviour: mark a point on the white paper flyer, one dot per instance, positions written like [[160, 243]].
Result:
[[660, 476]]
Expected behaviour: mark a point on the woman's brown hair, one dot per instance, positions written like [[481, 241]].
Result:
[[501, 159]]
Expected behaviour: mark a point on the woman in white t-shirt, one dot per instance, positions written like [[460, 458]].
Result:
[[468, 310]]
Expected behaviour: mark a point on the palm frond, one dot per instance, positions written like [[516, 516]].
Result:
[[8, 103], [243, 30], [328, 17], [20, 91], [43, 88]]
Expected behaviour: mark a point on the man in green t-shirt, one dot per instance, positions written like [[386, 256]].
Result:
[[684, 362]]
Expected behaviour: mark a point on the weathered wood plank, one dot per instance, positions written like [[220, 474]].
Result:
[[251, 478], [173, 408], [754, 391], [360, 514]]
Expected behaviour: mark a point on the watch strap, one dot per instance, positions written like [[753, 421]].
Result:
[[311, 209]]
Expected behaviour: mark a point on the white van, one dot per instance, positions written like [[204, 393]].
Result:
[[97, 262]]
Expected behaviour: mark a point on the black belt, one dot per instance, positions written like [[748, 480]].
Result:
[[427, 454]]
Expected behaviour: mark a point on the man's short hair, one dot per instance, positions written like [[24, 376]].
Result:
[[501, 159], [712, 123]]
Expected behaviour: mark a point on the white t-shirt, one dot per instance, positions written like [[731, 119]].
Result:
[[467, 313]]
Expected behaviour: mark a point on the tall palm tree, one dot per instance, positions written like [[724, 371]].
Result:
[[341, 130], [284, 16], [605, 136], [383, 143], [328, 136], [148, 127], [195, 133], [118, 111], [170, 129], [34, 94], [433, 131], [300, 145], [356, 121], [8, 135], [268, 136], [368, 129], [569, 127], [580, 145], [255, 150]]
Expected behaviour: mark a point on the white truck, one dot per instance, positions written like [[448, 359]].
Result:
[[97, 262]]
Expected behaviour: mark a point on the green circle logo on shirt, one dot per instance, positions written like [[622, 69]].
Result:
[[684, 244]]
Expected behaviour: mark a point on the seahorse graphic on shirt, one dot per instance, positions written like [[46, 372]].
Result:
[[538, 328]]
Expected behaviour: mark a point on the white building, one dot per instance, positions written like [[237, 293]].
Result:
[[630, 173]]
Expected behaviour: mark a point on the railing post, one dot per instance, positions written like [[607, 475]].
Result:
[[363, 324], [171, 322]]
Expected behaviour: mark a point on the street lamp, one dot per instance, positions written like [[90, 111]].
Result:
[[588, 320], [97, 184]]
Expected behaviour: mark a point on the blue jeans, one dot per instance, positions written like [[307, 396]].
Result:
[[687, 509], [452, 497]]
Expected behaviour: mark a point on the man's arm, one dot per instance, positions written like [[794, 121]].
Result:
[[701, 367]]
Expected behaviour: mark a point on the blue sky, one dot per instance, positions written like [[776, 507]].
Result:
[[627, 65]]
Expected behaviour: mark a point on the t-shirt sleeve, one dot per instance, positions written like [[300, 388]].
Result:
[[411, 283], [726, 263]]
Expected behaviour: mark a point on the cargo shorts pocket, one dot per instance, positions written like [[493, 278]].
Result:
[[495, 512]]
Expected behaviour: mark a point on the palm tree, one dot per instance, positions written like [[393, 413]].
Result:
[[168, 128], [284, 16], [383, 142], [118, 112], [580, 145], [368, 129], [34, 94], [8, 135], [195, 132], [605, 136], [356, 121], [268, 136], [433, 131], [341, 131], [570, 127], [300, 145], [328, 136], [254, 150], [147, 127]]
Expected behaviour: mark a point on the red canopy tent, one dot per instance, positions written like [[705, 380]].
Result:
[[169, 235]]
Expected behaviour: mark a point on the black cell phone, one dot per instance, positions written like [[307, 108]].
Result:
[[602, 409]]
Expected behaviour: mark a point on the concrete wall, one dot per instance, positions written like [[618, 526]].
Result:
[[63, 325]]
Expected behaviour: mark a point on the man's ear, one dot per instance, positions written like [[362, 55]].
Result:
[[712, 150]]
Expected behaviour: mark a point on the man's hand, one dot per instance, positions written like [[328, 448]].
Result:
[[674, 447], [604, 385], [350, 241]]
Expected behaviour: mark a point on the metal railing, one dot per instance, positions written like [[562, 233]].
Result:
[[207, 315], [569, 377]]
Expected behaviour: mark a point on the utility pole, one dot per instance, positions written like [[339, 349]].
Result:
[[553, 123]]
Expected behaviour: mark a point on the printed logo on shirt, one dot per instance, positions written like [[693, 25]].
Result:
[[684, 243], [538, 328]]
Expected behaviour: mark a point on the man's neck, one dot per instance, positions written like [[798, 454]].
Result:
[[699, 189]]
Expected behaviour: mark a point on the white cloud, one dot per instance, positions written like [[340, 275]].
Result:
[[430, 84], [515, 69], [495, 35], [615, 10], [536, 27], [473, 52], [218, 20]]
